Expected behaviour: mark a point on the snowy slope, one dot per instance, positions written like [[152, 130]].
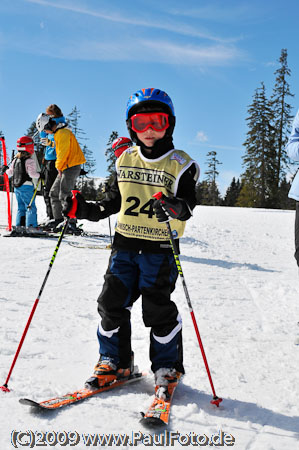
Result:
[[244, 286]]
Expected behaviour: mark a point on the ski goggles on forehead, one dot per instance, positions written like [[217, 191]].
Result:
[[142, 121]]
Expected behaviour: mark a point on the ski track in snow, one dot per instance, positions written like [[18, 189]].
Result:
[[244, 287]]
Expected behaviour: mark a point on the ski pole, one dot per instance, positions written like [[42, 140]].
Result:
[[34, 194], [6, 183], [71, 215], [110, 230], [216, 400], [12, 186]]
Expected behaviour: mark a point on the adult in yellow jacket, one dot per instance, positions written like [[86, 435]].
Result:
[[68, 163]]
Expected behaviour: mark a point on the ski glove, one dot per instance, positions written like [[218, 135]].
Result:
[[45, 141], [82, 207], [3, 169], [168, 208]]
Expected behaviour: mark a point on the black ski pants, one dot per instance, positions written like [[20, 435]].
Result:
[[50, 177], [153, 276], [297, 233]]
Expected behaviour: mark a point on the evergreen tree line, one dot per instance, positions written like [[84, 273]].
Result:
[[264, 183]]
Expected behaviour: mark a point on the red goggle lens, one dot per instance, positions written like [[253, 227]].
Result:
[[157, 121]]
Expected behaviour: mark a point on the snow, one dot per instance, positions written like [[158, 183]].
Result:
[[244, 287]]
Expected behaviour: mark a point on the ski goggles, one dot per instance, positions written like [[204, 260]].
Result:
[[142, 121]]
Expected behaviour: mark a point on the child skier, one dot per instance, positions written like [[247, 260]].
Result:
[[68, 164], [141, 262], [120, 144], [23, 169], [49, 172]]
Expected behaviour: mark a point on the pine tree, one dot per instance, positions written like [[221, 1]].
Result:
[[259, 160], [284, 201], [212, 173], [202, 193], [281, 120], [90, 165], [110, 156], [246, 197], [89, 190], [232, 193], [73, 121]]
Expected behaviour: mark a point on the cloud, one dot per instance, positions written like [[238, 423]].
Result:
[[217, 12], [201, 136], [129, 41], [158, 51], [210, 55], [270, 64], [167, 25], [226, 147]]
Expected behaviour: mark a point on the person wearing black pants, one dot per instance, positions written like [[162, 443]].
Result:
[[297, 234], [50, 173], [293, 153], [142, 262]]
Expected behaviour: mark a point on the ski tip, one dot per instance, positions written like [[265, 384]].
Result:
[[28, 402], [34, 404], [152, 422]]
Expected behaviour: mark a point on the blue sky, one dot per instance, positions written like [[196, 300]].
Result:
[[209, 56]]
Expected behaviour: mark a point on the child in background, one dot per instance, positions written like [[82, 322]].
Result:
[[120, 144], [68, 165], [49, 172], [23, 169]]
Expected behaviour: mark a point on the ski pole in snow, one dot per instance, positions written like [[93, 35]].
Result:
[[71, 215], [216, 400], [12, 187], [6, 182]]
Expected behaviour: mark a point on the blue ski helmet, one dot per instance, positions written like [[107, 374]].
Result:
[[150, 100], [151, 97]]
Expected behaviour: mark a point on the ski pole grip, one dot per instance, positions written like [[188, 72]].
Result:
[[72, 212], [158, 195]]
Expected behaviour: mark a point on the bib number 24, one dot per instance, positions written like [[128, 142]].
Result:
[[135, 209]]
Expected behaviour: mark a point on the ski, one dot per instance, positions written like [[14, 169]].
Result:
[[158, 413], [80, 395], [94, 234], [95, 246], [22, 232]]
